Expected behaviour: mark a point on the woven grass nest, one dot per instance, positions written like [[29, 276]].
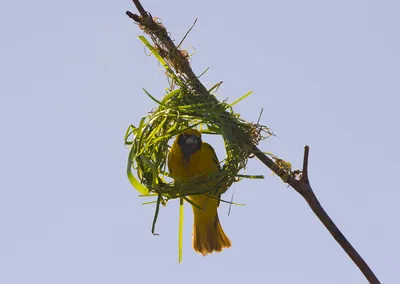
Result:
[[181, 109]]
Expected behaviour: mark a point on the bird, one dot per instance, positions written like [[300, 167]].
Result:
[[190, 159]]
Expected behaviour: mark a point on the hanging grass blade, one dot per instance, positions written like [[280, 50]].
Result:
[[153, 227], [180, 239]]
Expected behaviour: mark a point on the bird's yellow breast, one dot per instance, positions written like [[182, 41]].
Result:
[[199, 165]]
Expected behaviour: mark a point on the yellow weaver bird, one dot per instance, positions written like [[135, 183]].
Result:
[[191, 159]]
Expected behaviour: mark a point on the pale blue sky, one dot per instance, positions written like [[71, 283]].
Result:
[[325, 72]]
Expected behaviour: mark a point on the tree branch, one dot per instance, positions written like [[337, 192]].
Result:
[[180, 62], [303, 187]]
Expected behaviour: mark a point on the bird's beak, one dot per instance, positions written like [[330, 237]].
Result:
[[191, 140]]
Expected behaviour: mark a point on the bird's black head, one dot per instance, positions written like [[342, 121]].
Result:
[[190, 142]]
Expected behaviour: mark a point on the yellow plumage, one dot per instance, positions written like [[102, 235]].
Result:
[[190, 158]]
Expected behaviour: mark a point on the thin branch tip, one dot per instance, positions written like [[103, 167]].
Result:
[[305, 163], [134, 17], [140, 8]]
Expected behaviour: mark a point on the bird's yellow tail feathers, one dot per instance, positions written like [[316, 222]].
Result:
[[208, 235]]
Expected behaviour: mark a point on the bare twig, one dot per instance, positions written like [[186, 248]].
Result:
[[134, 17], [140, 8], [302, 185], [305, 164]]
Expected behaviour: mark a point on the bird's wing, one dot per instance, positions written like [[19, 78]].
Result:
[[214, 155], [215, 159]]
